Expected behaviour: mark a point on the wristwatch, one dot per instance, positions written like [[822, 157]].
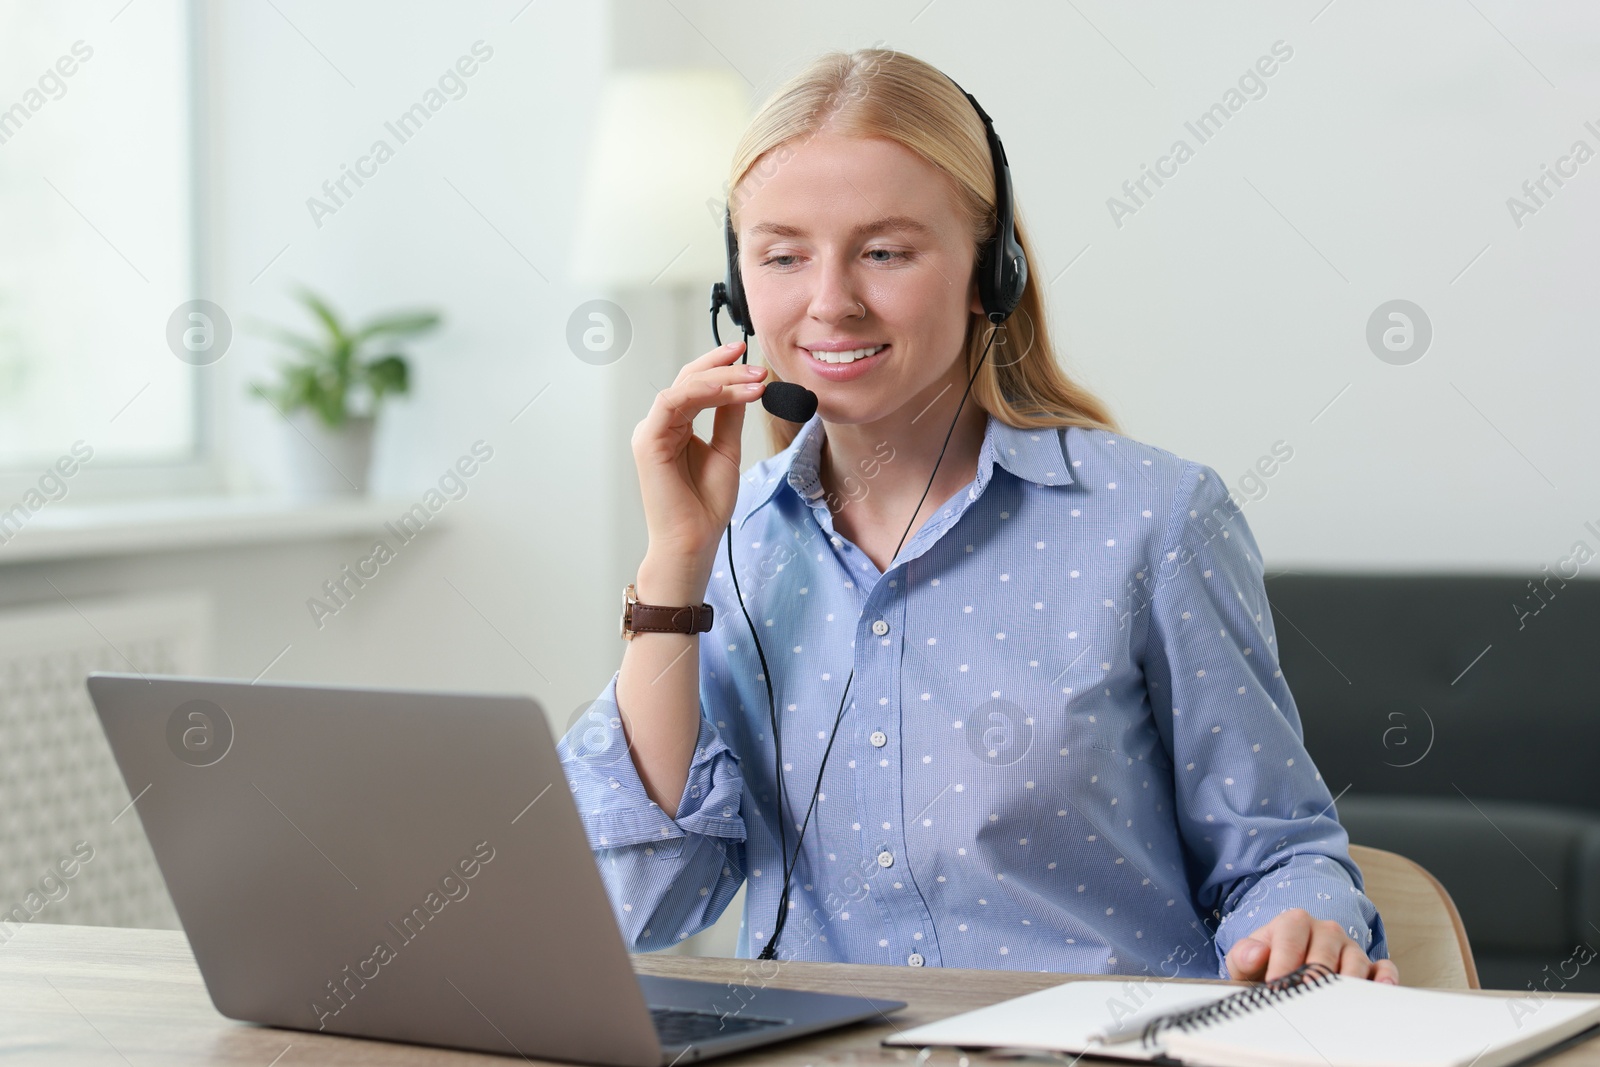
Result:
[[640, 618]]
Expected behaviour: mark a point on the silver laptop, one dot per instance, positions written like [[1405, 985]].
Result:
[[407, 866]]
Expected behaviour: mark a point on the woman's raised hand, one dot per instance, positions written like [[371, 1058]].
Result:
[[690, 486]]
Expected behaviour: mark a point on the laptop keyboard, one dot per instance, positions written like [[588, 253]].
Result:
[[680, 1026]]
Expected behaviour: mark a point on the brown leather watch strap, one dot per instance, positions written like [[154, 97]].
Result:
[[640, 618], [655, 619]]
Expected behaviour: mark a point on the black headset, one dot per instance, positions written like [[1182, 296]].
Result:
[[1002, 271]]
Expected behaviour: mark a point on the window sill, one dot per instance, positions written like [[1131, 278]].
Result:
[[170, 524]]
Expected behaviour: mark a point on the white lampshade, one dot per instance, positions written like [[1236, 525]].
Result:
[[652, 200]]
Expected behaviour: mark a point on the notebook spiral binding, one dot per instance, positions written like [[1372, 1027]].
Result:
[[1297, 981]]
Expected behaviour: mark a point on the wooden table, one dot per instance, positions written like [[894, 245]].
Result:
[[86, 995]]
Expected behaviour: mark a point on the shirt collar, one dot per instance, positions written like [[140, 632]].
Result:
[[1037, 455]]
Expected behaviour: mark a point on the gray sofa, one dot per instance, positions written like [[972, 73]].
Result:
[[1457, 720]]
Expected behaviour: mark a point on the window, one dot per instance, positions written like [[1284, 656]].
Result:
[[97, 245]]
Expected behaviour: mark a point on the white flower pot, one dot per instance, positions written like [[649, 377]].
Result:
[[325, 462]]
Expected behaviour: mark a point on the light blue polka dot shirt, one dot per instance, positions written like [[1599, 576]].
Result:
[[1068, 746]]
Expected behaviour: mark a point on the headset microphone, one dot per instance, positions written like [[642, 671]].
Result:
[[784, 400], [789, 401], [1002, 274]]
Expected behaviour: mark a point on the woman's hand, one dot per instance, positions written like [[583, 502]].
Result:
[[690, 486], [1292, 938]]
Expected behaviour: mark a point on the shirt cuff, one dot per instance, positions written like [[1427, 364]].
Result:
[[612, 801], [1322, 887]]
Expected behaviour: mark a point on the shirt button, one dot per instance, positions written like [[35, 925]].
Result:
[[886, 858], [915, 959], [880, 627], [878, 739]]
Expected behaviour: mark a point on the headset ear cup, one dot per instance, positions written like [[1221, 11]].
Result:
[[1015, 269], [1002, 276], [1010, 269], [737, 310], [989, 290]]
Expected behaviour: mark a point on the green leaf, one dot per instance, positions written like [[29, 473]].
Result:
[[388, 374], [403, 324], [318, 307], [330, 405], [341, 355], [303, 386]]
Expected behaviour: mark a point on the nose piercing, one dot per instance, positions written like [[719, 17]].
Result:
[[863, 308]]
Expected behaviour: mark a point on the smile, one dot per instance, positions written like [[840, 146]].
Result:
[[847, 357]]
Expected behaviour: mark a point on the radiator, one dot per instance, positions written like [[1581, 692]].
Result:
[[71, 847]]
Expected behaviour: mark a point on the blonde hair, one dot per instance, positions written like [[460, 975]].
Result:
[[881, 93]]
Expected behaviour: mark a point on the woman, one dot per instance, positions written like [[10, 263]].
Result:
[[1062, 740]]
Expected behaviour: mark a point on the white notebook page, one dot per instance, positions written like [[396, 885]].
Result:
[[1350, 1022], [1066, 1017]]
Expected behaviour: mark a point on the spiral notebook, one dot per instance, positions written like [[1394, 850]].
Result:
[[1310, 1017]]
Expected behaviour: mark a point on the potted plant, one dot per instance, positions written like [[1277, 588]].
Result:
[[332, 390]]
